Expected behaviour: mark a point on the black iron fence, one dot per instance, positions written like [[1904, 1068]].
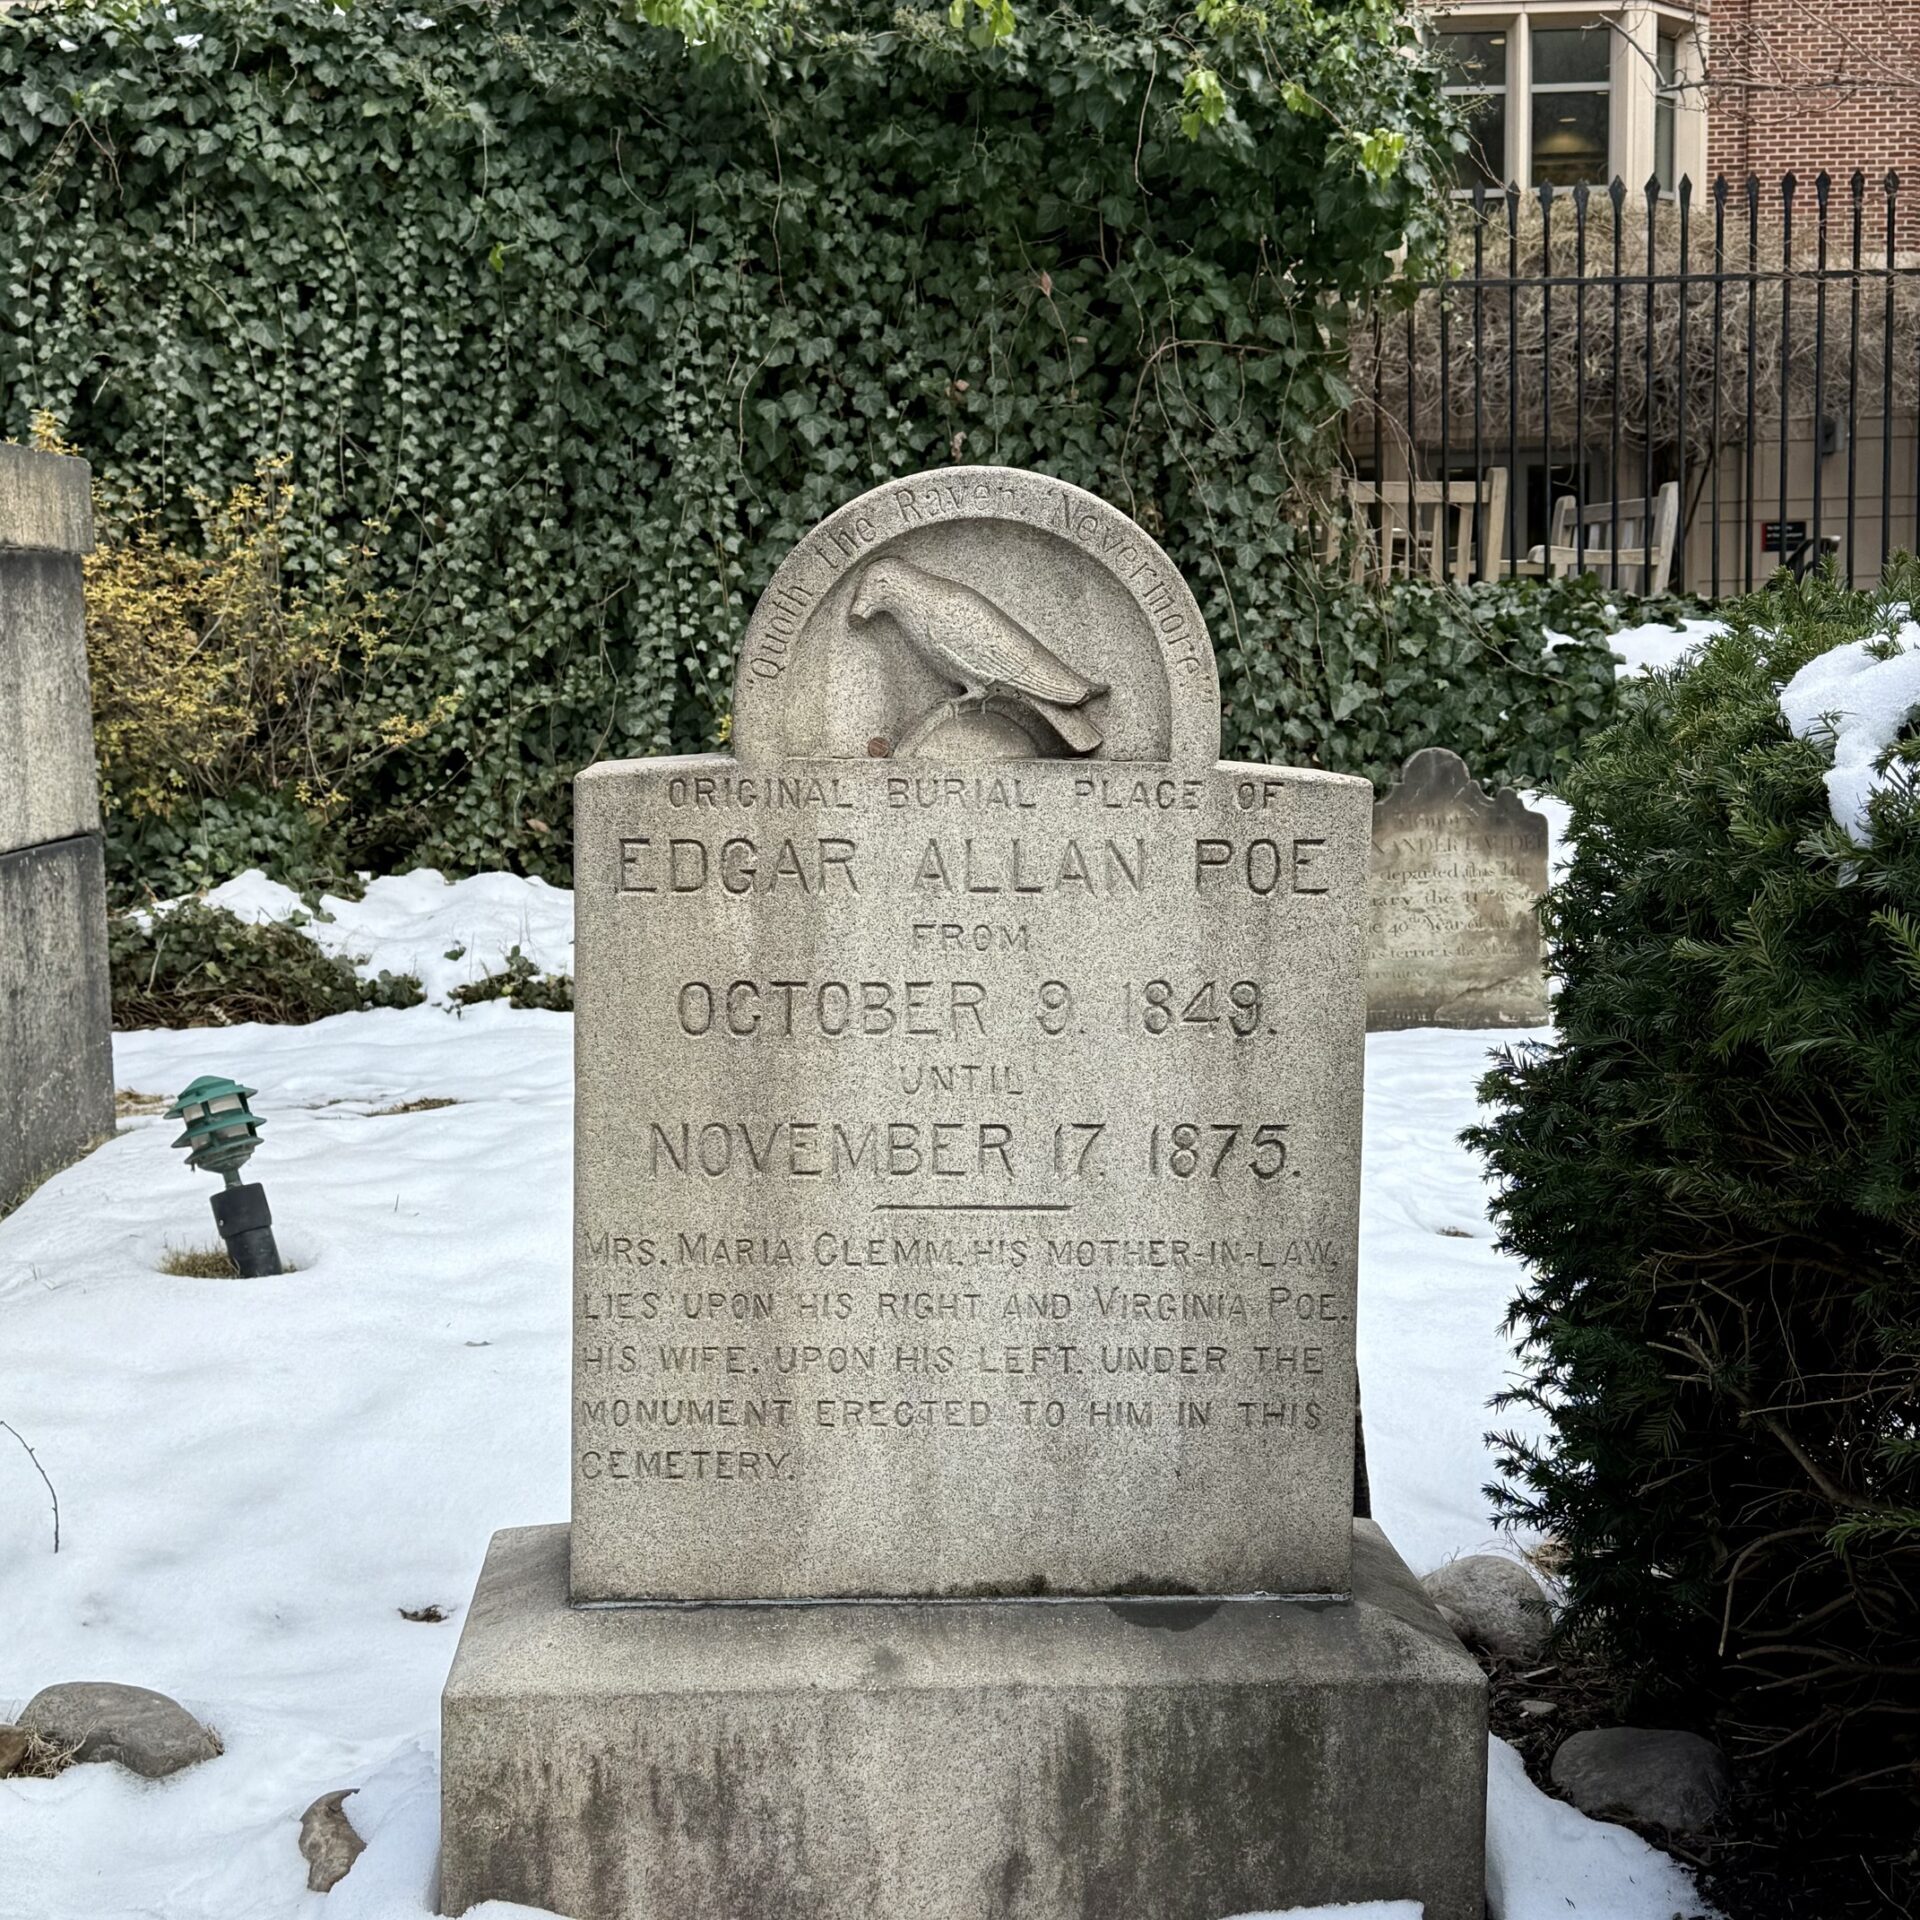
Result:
[[1669, 393]]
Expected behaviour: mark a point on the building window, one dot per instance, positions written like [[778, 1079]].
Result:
[[1570, 105], [1666, 101], [1476, 68]]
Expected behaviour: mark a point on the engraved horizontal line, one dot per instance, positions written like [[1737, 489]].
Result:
[[973, 1206]]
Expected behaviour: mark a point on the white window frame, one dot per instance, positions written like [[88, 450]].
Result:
[[1470, 90], [1633, 87]]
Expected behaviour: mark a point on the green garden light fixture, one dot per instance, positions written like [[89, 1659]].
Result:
[[221, 1135]]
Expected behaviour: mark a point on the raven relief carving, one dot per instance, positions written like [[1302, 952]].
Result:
[[999, 667]]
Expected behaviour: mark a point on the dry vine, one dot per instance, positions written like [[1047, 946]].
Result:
[[1509, 333]]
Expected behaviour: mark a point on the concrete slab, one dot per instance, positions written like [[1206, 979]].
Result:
[[56, 1013], [959, 1760]]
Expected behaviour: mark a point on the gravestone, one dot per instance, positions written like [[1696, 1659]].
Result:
[[968, 1086], [1457, 879], [56, 1019]]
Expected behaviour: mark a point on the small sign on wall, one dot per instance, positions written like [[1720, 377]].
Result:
[[1782, 536]]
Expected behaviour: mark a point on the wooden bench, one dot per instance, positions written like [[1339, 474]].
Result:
[[1578, 541], [1425, 528]]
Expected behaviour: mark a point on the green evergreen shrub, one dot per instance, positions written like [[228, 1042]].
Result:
[[1713, 1176], [1511, 674], [200, 966]]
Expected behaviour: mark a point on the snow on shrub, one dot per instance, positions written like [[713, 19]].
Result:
[[1862, 695], [1713, 1174]]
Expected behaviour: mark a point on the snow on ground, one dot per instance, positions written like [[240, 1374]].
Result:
[[256, 1477], [444, 932], [1866, 700], [1545, 1858]]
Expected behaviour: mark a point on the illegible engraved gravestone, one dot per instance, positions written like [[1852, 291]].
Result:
[[1457, 880], [968, 1082]]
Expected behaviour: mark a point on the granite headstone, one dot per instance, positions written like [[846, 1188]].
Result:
[[1457, 880]]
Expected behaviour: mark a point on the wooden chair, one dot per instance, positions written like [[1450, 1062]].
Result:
[[1411, 528], [1589, 553]]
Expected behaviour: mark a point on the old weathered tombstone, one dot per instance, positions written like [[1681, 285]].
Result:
[[968, 1078], [56, 1017], [1457, 879]]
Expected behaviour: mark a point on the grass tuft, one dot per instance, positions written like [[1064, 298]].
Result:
[[206, 1263]]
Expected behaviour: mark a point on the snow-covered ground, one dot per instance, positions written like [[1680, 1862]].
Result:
[[445, 933], [256, 1477]]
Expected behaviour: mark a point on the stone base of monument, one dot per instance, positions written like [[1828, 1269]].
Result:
[[1165, 1759], [56, 1010]]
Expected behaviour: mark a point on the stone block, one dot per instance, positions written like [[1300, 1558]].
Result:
[[56, 1013], [46, 502], [48, 790], [966, 1193], [961, 1760]]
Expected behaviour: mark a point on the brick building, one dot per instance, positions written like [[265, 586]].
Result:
[[1569, 92], [1802, 85], [1778, 408]]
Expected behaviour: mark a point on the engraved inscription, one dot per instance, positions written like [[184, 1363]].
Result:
[[968, 1096]]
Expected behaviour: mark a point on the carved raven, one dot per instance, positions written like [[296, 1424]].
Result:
[[963, 636]]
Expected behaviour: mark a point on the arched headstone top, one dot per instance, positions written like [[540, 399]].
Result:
[[974, 614]]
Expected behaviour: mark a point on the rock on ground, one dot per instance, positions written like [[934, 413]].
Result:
[[103, 1720], [14, 1742], [1652, 1775], [328, 1842], [1493, 1602]]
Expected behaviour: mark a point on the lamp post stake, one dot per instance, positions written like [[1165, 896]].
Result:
[[221, 1134]]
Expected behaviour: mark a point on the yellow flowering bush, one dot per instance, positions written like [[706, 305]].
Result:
[[217, 677]]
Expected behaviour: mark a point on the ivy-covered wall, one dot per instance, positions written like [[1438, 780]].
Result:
[[576, 330]]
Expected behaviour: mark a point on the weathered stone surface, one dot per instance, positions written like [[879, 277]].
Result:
[[46, 502], [56, 1049], [1184, 1759], [1655, 1776], [104, 1720], [967, 1153], [896, 1290], [1456, 934], [1493, 1602], [968, 1086], [47, 786], [328, 1843], [843, 657], [14, 1742]]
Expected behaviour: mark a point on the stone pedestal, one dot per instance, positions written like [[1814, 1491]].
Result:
[[960, 1760]]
